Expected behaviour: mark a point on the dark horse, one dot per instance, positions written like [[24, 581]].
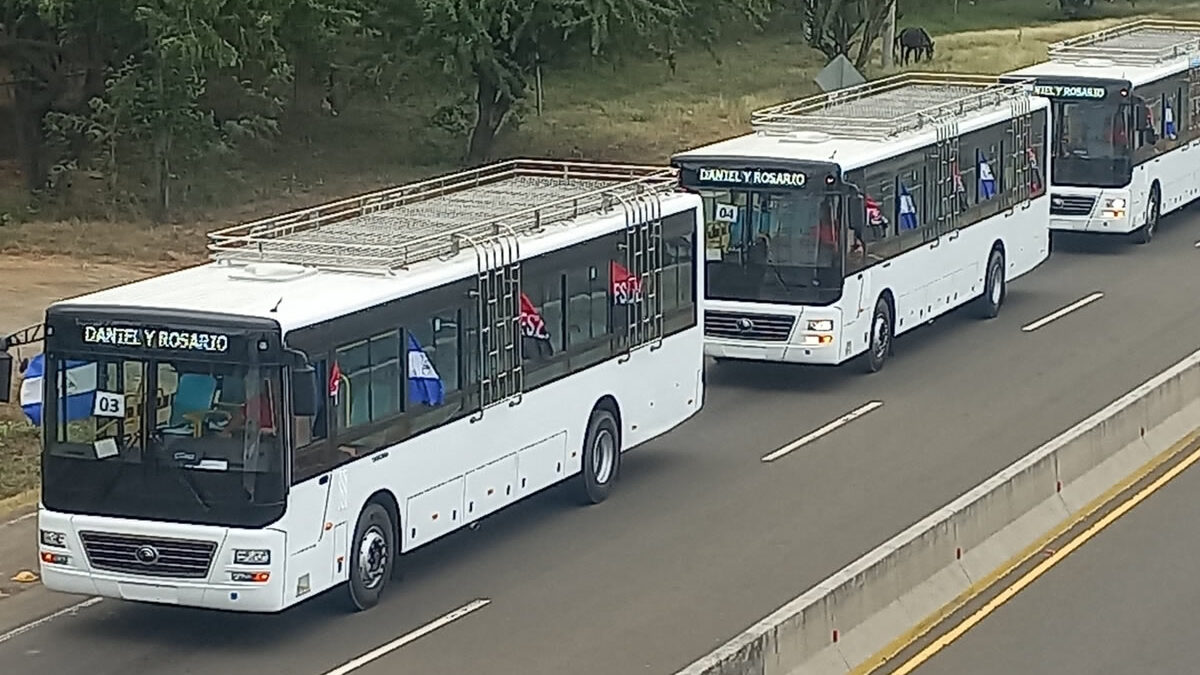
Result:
[[915, 42]]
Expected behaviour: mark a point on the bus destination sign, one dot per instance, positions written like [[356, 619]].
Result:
[[752, 177], [156, 338], [1069, 91]]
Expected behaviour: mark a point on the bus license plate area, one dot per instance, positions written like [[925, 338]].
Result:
[[168, 595]]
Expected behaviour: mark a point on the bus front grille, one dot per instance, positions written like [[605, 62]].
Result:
[[745, 326], [1071, 205], [148, 556]]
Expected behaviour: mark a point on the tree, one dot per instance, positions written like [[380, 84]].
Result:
[[311, 32], [849, 27], [131, 76], [496, 45], [57, 52]]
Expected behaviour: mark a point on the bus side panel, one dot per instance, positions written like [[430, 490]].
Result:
[[1176, 172], [436, 475]]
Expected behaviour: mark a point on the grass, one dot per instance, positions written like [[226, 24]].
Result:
[[637, 112], [19, 460]]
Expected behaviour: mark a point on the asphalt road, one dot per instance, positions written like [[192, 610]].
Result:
[[1124, 602], [702, 538]]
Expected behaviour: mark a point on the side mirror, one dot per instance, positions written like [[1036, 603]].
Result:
[[304, 391], [6, 376], [856, 208]]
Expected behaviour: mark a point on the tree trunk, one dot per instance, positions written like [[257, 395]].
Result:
[[308, 92], [492, 107], [161, 207], [28, 112]]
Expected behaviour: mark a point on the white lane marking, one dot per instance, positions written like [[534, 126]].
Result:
[[19, 519], [47, 619], [1062, 312], [421, 632], [832, 426]]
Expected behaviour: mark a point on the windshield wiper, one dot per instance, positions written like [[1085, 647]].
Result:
[[186, 478]]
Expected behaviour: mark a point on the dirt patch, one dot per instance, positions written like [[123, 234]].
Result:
[[28, 285]]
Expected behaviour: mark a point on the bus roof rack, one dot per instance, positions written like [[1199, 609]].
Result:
[[1145, 42], [383, 231], [891, 106]]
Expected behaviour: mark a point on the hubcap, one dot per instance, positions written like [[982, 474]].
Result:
[[604, 452], [881, 336], [996, 284], [372, 557]]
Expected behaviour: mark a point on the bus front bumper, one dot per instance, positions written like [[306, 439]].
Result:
[[70, 567]]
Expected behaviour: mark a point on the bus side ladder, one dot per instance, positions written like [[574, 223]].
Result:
[[1020, 139], [644, 262], [1194, 96], [945, 154], [501, 373]]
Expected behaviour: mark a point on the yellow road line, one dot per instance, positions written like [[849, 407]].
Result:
[[1007, 594], [889, 652]]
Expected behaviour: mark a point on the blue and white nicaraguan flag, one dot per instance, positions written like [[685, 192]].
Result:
[[907, 209], [987, 181], [81, 389], [424, 385]]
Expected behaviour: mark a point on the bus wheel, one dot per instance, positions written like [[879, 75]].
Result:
[[371, 556], [881, 336], [993, 287], [601, 457], [1145, 233]]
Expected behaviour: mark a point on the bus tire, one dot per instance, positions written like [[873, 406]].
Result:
[[1146, 232], [994, 286], [601, 457], [372, 556], [880, 346]]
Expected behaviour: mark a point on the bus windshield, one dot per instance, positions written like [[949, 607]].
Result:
[[1092, 144], [773, 246], [172, 440]]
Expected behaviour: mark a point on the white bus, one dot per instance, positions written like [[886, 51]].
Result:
[[848, 218], [1126, 109], [346, 383]]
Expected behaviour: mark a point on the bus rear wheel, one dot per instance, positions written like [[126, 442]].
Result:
[[994, 288], [601, 457], [371, 557]]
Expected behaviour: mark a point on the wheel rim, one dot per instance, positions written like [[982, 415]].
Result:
[[881, 336], [372, 557], [604, 456], [996, 284], [1153, 224]]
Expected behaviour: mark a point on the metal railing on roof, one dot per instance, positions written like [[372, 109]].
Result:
[[391, 229], [891, 106], [1145, 42]]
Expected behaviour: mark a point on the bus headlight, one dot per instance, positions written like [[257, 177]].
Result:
[[251, 556], [56, 539], [1116, 203], [821, 324]]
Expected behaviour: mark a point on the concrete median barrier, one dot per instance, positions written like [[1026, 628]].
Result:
[[918, 575]]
